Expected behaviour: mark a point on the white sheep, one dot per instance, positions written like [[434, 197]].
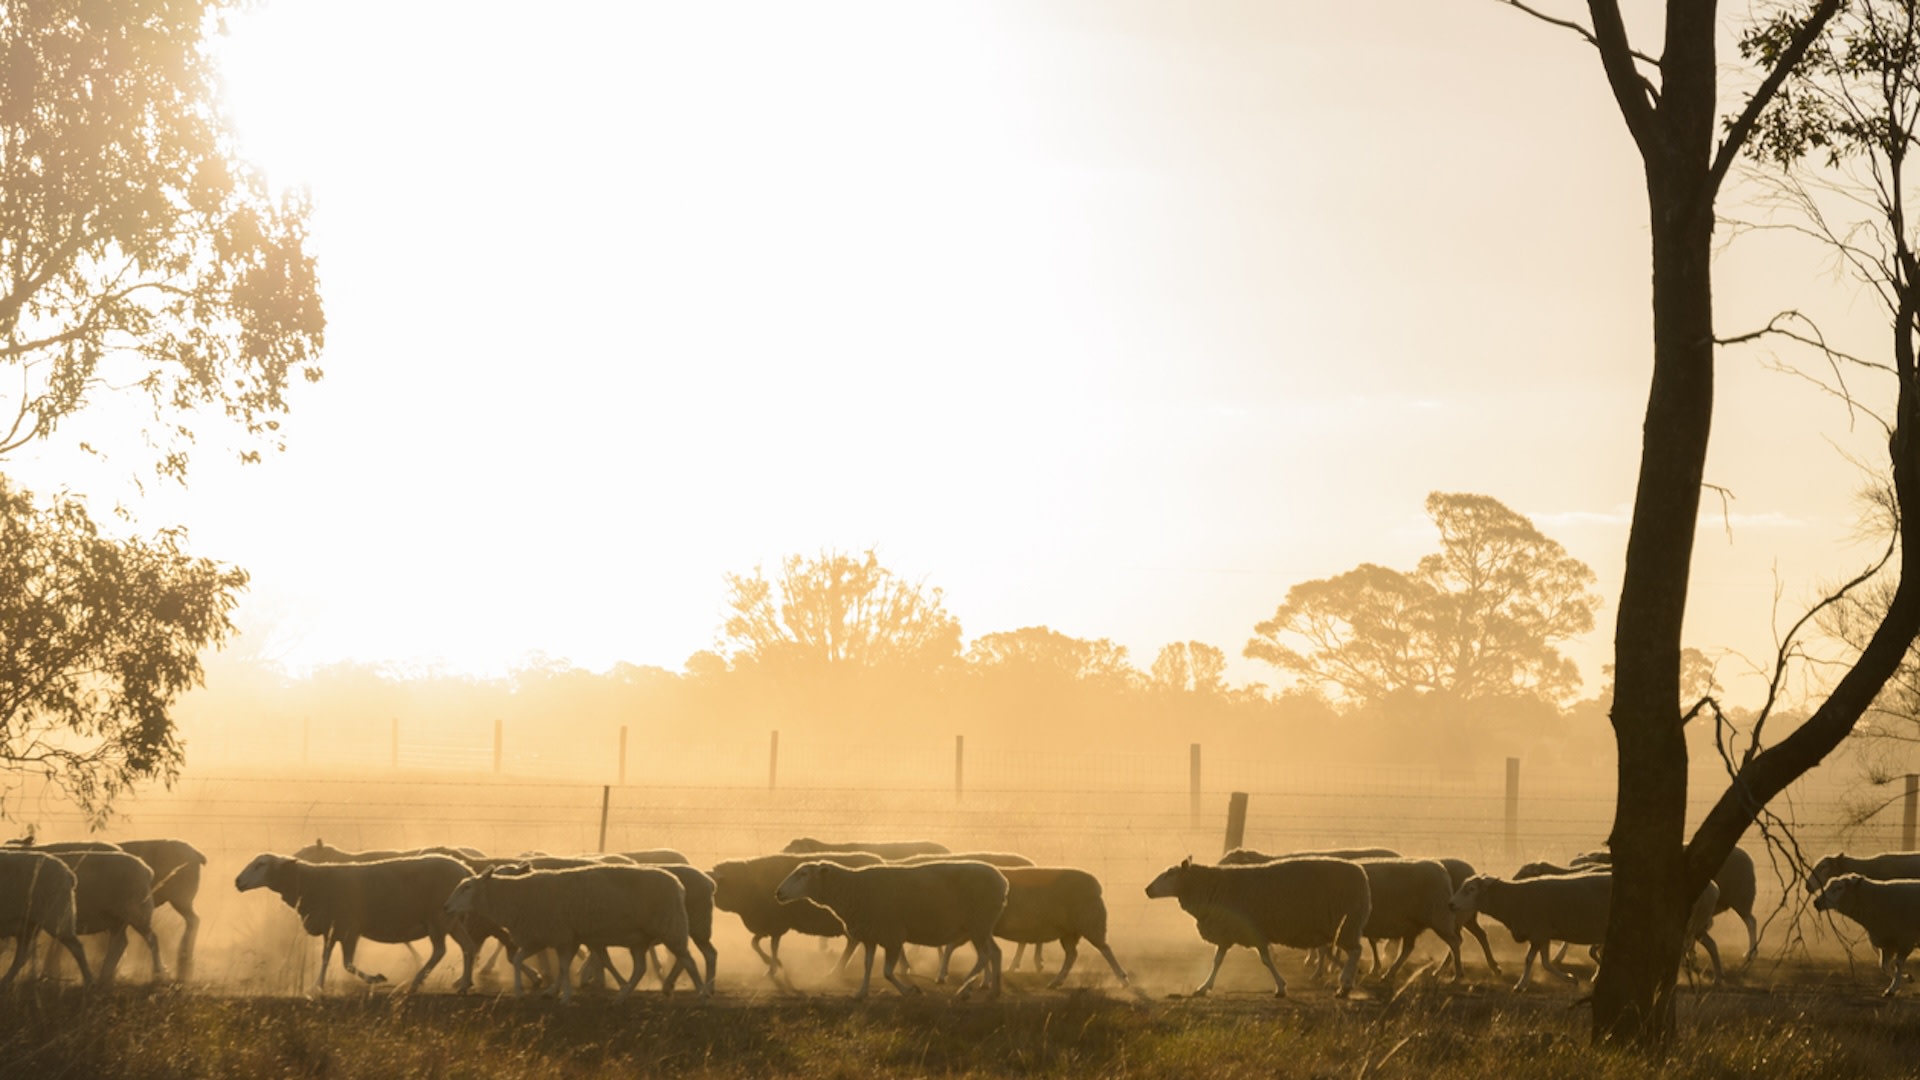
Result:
[[745, 887], [1886, 866], [1540, 911], [37, 894], [1410, 897], [1739, 888], [1570, 908], [1245, 856], [1300, 903], [395, 901], [113, 893], [886, 849], [699, 900], [890, 907], [665, 856], [481, 929], [1001, 859], [322, 852], [1052, 903], [1889, 911], [604, 906]]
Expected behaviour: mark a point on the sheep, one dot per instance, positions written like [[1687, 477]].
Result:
[[113, 892], [1052, 903], [37, 893], [634, 907], [746, 886], [1301, 903], [480, 929], [1886, 866], [1541, 910], [1002, 859], [176, 882], [937, 903], [1410, 896], [321, 852], [1570, 908], [388, 900], [1405, 901], [1739, 888], [1889, 911], [699, 900], [657, 857], [1458, 871], [886, 849], [1249, 857]]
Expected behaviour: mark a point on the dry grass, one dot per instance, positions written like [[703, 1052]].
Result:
[[1820, 1024]]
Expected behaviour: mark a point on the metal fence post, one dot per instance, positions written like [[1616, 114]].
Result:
[[773, 761], [1907, 816], [1193, 783], [959, 767]]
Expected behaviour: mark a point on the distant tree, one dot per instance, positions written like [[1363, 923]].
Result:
[[139, 252], [837, 611], [1190, 667], [1037, 650], [1481, 618], [98, 637]]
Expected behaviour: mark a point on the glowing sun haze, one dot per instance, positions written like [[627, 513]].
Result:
[[1118, 318]]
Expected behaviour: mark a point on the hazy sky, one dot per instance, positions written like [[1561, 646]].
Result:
[[1116, 317]]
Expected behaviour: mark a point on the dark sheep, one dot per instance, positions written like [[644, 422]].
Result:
[[746, 888]]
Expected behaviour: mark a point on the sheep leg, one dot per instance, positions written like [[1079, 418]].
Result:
[[1280, 984], [116, 948], [1547, 963], [1219, 954], [846, 956], [683, 960], [866, 973], [1896, 963], [946, 959], [986, 968], [1374, 945], [894, 953], [79, 953], [518, 958], [153, 947], [347, 947], [1713, 954], [1526, 968], [1070, 945], [326, 954], [1753, 936], [1472, 925], [184, 964], [1019, 951], [563, 954], [1406, 950], [439, 941], [19, 958], [1347, 971]]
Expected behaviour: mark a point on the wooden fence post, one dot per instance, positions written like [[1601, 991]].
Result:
[[499, 743], [959, 767], [306, 737], [606, 796], [1236, 820], [1513, 808], [773, 761], [395, 754], [623, 755]]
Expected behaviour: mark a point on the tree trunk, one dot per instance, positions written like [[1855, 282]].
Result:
[[1633, 996]]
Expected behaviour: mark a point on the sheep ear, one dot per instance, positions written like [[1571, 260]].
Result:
[[1186, 862]]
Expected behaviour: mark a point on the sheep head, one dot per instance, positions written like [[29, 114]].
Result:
[[1826, 870], [800, 884], [1466, 901], [261, 872], [1837, 892]]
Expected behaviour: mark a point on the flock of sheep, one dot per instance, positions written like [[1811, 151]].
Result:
[[543, 910]]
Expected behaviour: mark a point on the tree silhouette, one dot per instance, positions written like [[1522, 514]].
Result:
[[1481, 618]]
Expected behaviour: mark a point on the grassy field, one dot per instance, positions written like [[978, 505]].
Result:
[[1813, 1022]]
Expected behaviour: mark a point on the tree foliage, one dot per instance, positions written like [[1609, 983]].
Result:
[[1192, 667], [837, 611], [137, 251], [98, 637], [1039, 652], [1481, 618]]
